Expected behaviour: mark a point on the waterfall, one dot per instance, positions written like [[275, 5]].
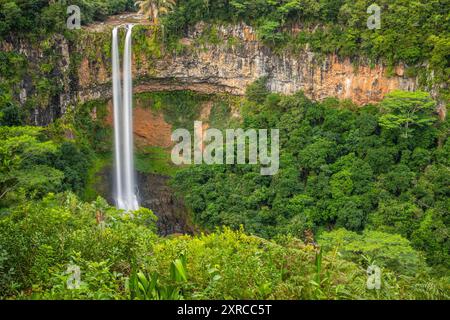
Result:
[[124, 175]]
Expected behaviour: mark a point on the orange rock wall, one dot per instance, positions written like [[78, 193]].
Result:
[[230, 68]]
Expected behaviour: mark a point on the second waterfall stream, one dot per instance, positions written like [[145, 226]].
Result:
[[124, 173]]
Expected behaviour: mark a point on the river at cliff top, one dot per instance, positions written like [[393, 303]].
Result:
[[119, 19]]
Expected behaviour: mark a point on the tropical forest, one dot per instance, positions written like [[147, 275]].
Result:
[[224, 150]]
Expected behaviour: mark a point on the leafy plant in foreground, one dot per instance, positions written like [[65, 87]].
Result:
[[144, 286]]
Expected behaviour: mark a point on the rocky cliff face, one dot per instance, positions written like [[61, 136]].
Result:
[[45, 86], [156, 195], [81, 69], [229, 66]]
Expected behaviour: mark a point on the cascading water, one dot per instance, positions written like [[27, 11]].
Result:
[[125, 187]]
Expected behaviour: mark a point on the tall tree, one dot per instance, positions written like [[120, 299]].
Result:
[[153, 8], [406, 110]]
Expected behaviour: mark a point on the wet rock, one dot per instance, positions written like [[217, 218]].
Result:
[[154, 194], [157, 195]]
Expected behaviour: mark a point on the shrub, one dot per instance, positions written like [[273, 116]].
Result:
[[387, 250]]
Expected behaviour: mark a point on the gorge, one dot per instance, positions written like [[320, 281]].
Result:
[[224, 64], [350, 190], [227, 65]]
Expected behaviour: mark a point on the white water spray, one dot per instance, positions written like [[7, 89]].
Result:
[[125, 186]]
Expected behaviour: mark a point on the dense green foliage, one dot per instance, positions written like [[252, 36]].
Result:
[[121, 258], [412, 31], [345, 23], [42, 235], [383, 249], [40, 238], [338, 169], [35, 161], [357, 187], [179, 108], [31, 165], [12, 66], [38, 17]]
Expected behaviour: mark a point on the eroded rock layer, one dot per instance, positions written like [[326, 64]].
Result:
[[230, 66]]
